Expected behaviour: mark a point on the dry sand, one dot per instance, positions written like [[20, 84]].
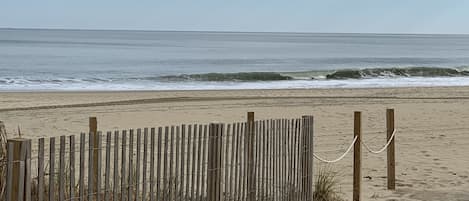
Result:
[[432, 142]]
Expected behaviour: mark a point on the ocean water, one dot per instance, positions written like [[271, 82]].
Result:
[[34, 59]]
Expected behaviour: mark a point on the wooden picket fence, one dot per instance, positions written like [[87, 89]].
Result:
[[252, 160]]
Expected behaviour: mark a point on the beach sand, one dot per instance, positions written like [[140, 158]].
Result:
[[432, 124]]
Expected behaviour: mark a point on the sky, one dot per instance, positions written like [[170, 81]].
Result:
[[327, 16]]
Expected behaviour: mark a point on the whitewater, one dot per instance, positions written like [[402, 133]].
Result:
[[88, 60]]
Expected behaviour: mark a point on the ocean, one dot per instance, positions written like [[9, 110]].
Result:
[[84, 60]]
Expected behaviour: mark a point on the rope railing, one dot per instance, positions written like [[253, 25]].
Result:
[[341, 157], [383, 148]]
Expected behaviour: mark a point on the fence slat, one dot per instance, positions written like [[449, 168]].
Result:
[[204, 156], [199, 152], [145, 159], [165, 164], [158, 165], [137, 167], [98, 146], [52, 169], [188, 155], [123, 165], [107, 171], [130, 182], [176, 169], [183, 159], [233, 144], [72, 167], [90, 166], [62, 169], [152, 165], [9, 188], [170, 168], [82, 168], [115, 187], [40, 170], [193, 162], [27, 184]]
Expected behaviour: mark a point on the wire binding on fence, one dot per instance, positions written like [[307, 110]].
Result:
[[384, 147], [341, 157]]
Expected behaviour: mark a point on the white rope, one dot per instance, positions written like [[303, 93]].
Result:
[[384, 147], [341, 157]]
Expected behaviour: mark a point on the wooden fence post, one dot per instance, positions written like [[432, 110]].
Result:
[[93, 124], [214, 162], [357, 156], [19, 169], [251, 182], [390, 150], [307, 159]]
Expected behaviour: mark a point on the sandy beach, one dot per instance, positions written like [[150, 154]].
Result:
[[431, 141]]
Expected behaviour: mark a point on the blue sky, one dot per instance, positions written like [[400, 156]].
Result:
[[358, 16]]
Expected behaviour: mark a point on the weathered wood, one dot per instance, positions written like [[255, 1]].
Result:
[[243, 160], [176, 169], [198, 164], [21, 169], [170, 165], [226, 194], [214, 154], [193, 162], [17, 170], [308, 149], [250, 157], [81, 180], [237, 165], [115, 187], [152, 165], [72, 167], [11, 161], [390, 150], [62, 169], [91, 171], [165, 164], [183, 159], [158, 165], [204, 156], [357, 157], [188, 160], [107, 171], [123, 165], [145, 161], [93, 126], [263, 139], [137, 167], [40, 170], [99, 178], [27, 179], [130, 182], [52, 169], [231, 180]]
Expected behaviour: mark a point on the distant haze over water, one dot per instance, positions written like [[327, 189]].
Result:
[[34, 59]]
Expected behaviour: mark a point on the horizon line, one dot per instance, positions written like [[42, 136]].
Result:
[[222, 31]]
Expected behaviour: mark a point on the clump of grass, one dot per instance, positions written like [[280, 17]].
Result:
[[326, 186]]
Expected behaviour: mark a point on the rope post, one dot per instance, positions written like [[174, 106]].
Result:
[[19, 169], [357, 129], [93, 124], [307, 160], [214, 162], [251, 182], [390, 150]]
